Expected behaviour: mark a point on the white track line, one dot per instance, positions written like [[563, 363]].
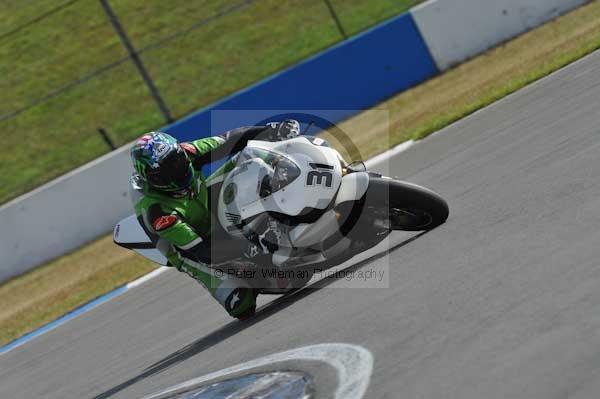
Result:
[[149, 276], [384, 156]]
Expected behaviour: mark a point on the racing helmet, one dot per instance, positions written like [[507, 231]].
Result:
[[161, 161]]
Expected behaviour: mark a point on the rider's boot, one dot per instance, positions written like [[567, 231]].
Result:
[[234, 294]]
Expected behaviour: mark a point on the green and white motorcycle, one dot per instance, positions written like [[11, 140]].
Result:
[[330, 210]]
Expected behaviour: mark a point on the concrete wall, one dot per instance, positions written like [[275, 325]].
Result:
[[86, 203], [64, 214], [456, 30]]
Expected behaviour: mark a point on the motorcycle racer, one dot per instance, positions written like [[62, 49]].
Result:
[[172, 202]]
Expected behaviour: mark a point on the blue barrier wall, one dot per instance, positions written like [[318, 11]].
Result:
[[353, 75]]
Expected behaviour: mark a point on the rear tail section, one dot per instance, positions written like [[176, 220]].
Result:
[[130, 234]]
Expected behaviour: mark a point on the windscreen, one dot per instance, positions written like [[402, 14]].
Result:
[[283, 170]]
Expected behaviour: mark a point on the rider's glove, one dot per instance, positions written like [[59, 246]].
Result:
[[288, 129]]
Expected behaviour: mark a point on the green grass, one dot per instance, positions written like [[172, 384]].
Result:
[[205, 64], [46, 293]]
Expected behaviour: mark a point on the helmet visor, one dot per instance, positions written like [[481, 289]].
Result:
[[174, 173]]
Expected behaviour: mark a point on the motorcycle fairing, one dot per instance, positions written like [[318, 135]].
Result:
[[315, 187]]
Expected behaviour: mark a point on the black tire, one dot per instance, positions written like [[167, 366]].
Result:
[[410, 207]]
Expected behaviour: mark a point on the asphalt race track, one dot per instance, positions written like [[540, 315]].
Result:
[[502, 301]]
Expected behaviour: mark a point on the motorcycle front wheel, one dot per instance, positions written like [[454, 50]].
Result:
[[405, 206]]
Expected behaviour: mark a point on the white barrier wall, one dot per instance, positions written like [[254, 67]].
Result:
[[64, 214], [456, 30]]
